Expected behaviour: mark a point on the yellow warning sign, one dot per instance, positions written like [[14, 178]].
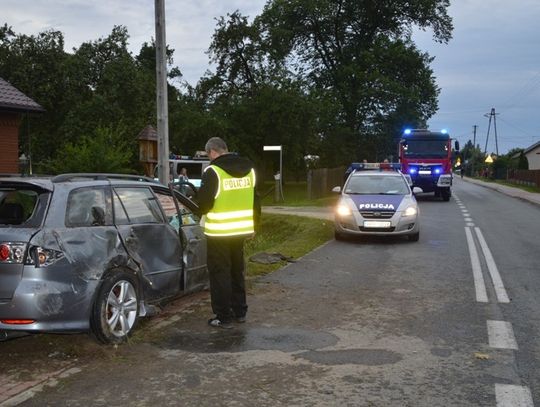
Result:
[[488, 159]]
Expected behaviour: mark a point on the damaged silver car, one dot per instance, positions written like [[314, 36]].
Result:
[[94, 252]]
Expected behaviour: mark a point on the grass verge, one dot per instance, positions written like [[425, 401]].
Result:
[[294, 194], [292, 236], [527, 188]]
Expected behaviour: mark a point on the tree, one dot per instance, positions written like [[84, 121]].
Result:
[[360, 53], [105, 150]]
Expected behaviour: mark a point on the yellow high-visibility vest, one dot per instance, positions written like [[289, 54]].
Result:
[[232, 213]]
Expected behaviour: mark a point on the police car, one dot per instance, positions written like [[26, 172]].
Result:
[[377, 199]]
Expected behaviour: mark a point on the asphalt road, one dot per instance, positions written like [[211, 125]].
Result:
[[451, 320]]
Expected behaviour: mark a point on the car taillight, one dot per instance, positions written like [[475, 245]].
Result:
[[41, 257], [12, 252], [4, 252]]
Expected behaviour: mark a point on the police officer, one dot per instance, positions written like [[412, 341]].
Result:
[[228, 201]]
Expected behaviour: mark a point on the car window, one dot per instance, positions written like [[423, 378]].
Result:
[[120, 216], [167, 203], [169, 208], [88, 207], [18, 205], [140, 205], [376, 185]]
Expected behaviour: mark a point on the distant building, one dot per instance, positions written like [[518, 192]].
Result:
[[533, 156], [13, 104]]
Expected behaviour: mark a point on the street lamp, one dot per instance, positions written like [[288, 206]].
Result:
[[311, 161], [279, 176], [23, 162]]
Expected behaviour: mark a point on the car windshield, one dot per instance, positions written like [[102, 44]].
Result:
[[426, 148], [376, 185]]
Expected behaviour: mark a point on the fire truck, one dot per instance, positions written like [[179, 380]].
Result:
[[427, 157]]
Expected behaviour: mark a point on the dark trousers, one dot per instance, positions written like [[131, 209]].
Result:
[[226, 273]]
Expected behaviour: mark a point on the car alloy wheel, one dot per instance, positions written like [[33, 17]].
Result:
[[116, 309]]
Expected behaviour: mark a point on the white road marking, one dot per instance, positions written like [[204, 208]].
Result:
[[468, 219], [501, 335], [470, 224], [492, 267], [479, 285], [508, 395]]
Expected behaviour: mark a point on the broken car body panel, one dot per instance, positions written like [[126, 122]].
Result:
[[51, 273]]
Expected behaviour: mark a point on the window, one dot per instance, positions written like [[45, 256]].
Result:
[[140, 205], [88, 207], [167, 203], [376, 185], [17, 205]]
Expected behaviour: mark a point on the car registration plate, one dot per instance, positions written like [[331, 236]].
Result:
[[377, 224]]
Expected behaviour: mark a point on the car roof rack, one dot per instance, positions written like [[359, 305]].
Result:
[[102, 177]]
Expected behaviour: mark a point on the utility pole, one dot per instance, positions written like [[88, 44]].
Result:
[[493, 115], [473, 150], [161, 92]]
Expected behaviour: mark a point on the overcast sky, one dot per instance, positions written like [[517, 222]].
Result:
[[493, 60]]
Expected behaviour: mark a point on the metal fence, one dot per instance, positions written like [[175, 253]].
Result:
[[322, 180], [524, 177]]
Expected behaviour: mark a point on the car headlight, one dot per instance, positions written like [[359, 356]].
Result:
[[410, 211], [343, 210]]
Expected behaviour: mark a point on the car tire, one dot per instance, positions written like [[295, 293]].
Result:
[[445, 194], [414, 237], [116, 309]]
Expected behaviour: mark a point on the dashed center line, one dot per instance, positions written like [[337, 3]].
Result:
[[508, 395], [501, 335]]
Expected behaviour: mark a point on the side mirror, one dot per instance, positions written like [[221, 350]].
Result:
[[417, 190], [336, 190]]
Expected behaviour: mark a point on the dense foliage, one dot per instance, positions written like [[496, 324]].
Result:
[[333, 78]]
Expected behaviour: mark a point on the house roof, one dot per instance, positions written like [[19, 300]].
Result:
[[531, 148], [12, 99], [148, 133]]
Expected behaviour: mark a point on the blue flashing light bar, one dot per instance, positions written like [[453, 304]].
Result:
[[374, 166], [413, 170], [407, 131], [444, 131]]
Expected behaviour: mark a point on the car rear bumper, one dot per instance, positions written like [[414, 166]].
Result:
[[52, 306]]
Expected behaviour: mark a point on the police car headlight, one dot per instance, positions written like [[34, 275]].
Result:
[[410, 211], [343, 210]]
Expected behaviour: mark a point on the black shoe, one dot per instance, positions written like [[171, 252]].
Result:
[[240, 320], [218, 323]]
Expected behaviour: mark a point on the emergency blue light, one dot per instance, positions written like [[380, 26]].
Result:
[[412, 170], [437, 170], [407, 131], [444, 131]]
